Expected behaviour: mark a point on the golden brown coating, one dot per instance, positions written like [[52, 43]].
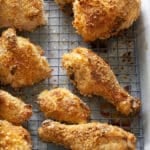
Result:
[[90, 136], [62, 3], [21, 62], [101, 19], [22, 14], [93, 76], [14, 137], [60, 104], [13, 109]]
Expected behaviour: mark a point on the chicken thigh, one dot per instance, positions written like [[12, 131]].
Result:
[[14, 137], [22, 14], [21, 62], [101, 19]]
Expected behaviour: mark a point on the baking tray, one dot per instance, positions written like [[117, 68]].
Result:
[[143, 43], [57, 38]]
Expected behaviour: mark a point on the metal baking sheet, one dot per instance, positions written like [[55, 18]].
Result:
[[57, 38]]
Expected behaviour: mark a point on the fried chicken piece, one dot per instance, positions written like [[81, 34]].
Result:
[[13, 109], [89, 136], [60, 104], [14, 137], [22, 14], [21, 62], [101, 19], [63, 3], [93, 76]]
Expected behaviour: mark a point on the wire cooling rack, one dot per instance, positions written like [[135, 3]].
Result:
[[57, 38]]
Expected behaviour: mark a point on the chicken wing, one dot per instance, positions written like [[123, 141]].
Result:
[[62, 105], [14, 137], [13, 109], [22, 14], [21, 62], [101, 19], [90, 136], [93, 76]]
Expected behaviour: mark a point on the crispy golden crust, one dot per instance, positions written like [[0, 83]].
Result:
[[14, 137], [101, 19], [21, 62], [62, 105], [14, 109], [90, 136], [22, 14], [93, 76]]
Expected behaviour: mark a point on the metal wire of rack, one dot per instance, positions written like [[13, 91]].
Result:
[[57, 38]]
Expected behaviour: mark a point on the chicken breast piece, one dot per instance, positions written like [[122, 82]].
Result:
[[89, 136], [21, 62], [22, 14], [60, 104], [14, 137], [101, 19], [13, 109], [93, 76]]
